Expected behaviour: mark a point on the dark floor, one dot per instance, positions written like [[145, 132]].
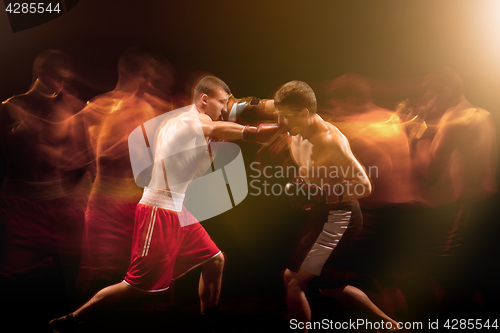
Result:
[[253, 296], [28, 306]]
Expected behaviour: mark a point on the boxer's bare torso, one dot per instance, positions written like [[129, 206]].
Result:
[[456, 157], [323, 155]]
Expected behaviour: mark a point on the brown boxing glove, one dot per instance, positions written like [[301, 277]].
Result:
[[262, 133]]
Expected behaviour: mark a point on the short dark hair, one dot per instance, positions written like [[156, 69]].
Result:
[[209, 84], [296, 95], [55, 64], [440, 78], [350, 85]]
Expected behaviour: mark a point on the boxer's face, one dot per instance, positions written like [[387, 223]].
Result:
[[217, 104], [435, 104], [293, 120]]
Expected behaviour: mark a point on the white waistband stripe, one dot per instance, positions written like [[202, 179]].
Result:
[[162, 199]]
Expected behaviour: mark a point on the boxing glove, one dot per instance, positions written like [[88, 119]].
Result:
[[249, 111], [303, 195], [412, 120], [262, 133]]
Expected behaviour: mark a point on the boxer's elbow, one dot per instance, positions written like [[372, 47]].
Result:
[[367, 187], [208, 129]]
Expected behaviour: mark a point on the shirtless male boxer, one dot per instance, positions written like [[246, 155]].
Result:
[[141, 93], [378, 140], [455, 159], [319, 148], [454, 170], [168, 241], [45, 191]]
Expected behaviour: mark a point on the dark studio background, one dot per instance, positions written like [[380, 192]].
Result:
[[255, 46]]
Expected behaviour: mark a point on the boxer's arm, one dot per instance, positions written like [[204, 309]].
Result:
[[221, 129], [353, 177], [250, 111], [232, 131], [269, 106], [441, 149]]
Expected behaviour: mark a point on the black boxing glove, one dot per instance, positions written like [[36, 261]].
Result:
[[303, 195]]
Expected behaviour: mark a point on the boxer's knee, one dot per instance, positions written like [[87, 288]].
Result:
[[220, 261], [216, 263], [291, 282]]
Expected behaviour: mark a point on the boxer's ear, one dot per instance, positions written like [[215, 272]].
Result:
[[447, 92], [204, 99], [304, 113]]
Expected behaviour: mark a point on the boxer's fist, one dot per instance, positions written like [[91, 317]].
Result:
[[412, 119], [262, 133], [250, 110], [302, 194]]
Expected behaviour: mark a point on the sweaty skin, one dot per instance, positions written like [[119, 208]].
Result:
[[42, 138], [378, 139], [182, 152], [323, 155], [456, 157], [194, 126]]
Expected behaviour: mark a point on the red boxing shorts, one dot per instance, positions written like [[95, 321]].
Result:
[[166, 245], [106, 241], [40, 222]]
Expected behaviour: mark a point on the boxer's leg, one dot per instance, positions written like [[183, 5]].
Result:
[[296, 300], [353, 296], [210, 282], [107, 297]]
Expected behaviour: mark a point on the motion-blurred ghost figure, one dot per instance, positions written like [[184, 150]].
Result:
[[454, 169], [141, 93], [378, 139], [44, 194]]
